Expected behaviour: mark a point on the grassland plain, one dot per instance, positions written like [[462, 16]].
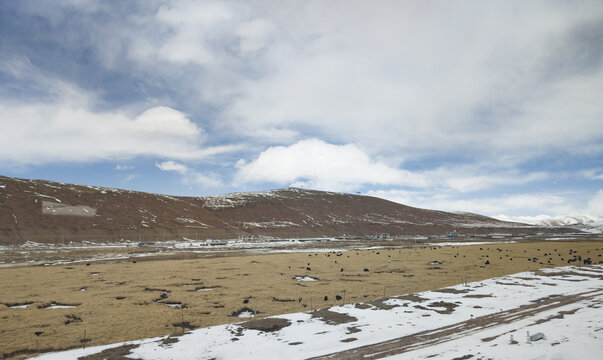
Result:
[[60, 307]]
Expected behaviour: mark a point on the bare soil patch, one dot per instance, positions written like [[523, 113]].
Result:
[[464, 357], [449, 307], [380, 304], [243, 311], [332, 317], [170, 340], [452, 291], [185, 325], [513, 284], [266, 325], [117, 353], [353, 330], [411, 297], [559, 315], [477, 296]]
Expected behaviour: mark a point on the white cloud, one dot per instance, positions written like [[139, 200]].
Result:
[[317, 164], [414, 78], [190, 176], [314, 163], [515, 205], [172, 166], [205, 179], [406, 80], [66, 127], [165, 121], [21, 69], [592, 174], [254, 35], [463, 183], [123, 167], [595, 205], [40, 133], [192, 25]]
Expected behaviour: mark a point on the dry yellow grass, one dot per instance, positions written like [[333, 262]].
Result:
[[119, 301]]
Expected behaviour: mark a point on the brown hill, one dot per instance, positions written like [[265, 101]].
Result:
[[51, 212]]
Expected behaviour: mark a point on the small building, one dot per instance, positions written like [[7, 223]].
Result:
[[500, 235], [146, 243], [381, 236], [245, 238]]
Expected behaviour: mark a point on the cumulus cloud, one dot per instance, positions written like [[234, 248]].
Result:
[[42, 133], [317, 164], [165, 121], [171, 166], [314, 163], [65, 126]]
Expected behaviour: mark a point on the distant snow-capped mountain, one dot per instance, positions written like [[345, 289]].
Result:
[[585, 222]]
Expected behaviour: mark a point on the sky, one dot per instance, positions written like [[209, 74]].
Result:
[[489, 107]]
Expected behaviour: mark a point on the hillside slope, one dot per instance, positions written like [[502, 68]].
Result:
[[45, 211]]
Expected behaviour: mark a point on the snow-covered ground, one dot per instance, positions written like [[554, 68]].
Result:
[[486, 319], [576, 338]]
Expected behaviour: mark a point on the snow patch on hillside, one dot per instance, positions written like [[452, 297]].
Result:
[[268, 224], [193, 221], [238, 199]]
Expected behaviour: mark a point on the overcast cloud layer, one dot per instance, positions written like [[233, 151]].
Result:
[[488, 107]]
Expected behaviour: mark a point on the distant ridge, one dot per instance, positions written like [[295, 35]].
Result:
[[46, 211], [585, 222]]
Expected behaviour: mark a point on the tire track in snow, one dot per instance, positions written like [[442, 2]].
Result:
[[458, 330]]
